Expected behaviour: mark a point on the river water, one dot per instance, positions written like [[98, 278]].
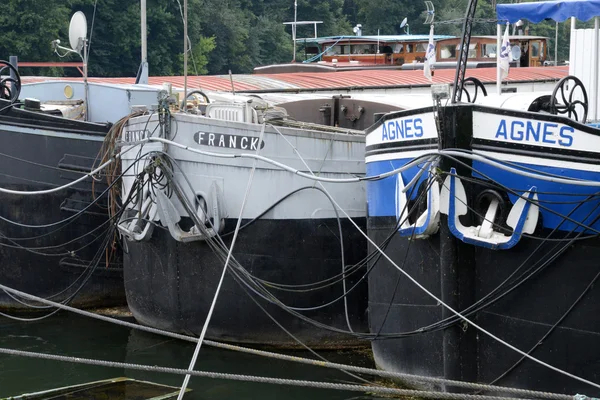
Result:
[[77, 336]]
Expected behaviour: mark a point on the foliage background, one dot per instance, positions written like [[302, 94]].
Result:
[[234, 35]]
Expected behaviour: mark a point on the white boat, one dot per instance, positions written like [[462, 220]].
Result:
[[296, 255]]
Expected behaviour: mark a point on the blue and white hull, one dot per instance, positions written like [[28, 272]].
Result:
[[515, 250]]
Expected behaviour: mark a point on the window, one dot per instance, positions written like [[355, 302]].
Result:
[[335, 50], [409, 47], [488, 50], [398, 48], [363, 49], [472, 50], [448, 51], [421, 47], [535, 49]]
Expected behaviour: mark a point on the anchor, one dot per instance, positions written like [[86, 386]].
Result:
[[169, 216], [137, 224], [428, 222], [522, 217]]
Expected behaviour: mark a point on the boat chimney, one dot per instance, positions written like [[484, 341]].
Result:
[[357, 30]]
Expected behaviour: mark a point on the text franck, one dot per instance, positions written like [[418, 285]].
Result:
[[228, 141]]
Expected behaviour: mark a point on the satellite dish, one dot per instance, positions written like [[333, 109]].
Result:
[[516, 52], [403, 23], [77, 30], [355, 29]]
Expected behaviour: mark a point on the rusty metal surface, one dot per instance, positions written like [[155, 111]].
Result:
[[333, 80]]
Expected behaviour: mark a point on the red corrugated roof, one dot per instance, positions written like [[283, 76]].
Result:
[[331, 80]]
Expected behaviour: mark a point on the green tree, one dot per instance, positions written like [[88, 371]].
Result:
[[230, 30], [273, 44], [198, 57], [28, 27], [385, 16], [115, 36]]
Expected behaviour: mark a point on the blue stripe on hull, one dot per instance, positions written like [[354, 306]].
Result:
[[382, 202], [381, 194], [573, 194]]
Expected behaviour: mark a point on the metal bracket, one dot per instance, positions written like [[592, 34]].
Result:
[[522, 217], [428, 222], [136, 224], [169, 216]]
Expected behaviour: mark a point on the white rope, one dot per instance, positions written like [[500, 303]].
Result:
[[284, 166], [67, 185], [438, 300], [59, 188], [524, 354], [320, 363], [504, 167], [346, 313], [396, 171], [427, 156], [214, 302]]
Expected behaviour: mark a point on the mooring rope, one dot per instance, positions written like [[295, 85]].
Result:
[[260, 379], [448, 307], [218, 290], [302, 360]]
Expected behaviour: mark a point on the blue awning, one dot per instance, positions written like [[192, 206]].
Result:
[[559, 10]]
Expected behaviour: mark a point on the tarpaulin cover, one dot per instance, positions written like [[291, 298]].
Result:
[[555, 10]]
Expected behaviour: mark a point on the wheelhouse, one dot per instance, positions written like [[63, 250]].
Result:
[[372, 50], [483, 48]]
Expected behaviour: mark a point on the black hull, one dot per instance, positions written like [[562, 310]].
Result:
[[521, 318], [170, 285], [33, 160]]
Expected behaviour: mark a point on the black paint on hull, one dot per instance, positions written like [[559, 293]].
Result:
[[32, 160], [521, 318], [170, 285]]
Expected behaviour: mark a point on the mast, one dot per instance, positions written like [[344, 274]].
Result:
[[185, 53], [294, 29], [143, 73], [143, 31], [461, 67]]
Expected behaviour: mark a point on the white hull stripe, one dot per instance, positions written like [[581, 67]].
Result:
[[50, 133], [398, 155], [496, 155], [540, 161]]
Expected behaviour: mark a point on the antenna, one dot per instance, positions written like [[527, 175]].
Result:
[[78, 42], [404, 24], [430, 13]]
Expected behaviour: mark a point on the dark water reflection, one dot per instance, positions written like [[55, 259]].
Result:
[[72, 335]]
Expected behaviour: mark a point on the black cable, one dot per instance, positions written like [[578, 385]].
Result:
[[507, 189], [552, 328], [69, 220], [559, 214], [88, 272]]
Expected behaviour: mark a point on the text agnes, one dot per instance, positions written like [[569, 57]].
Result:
[[535, 131], [407, 128], [228, 141]]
